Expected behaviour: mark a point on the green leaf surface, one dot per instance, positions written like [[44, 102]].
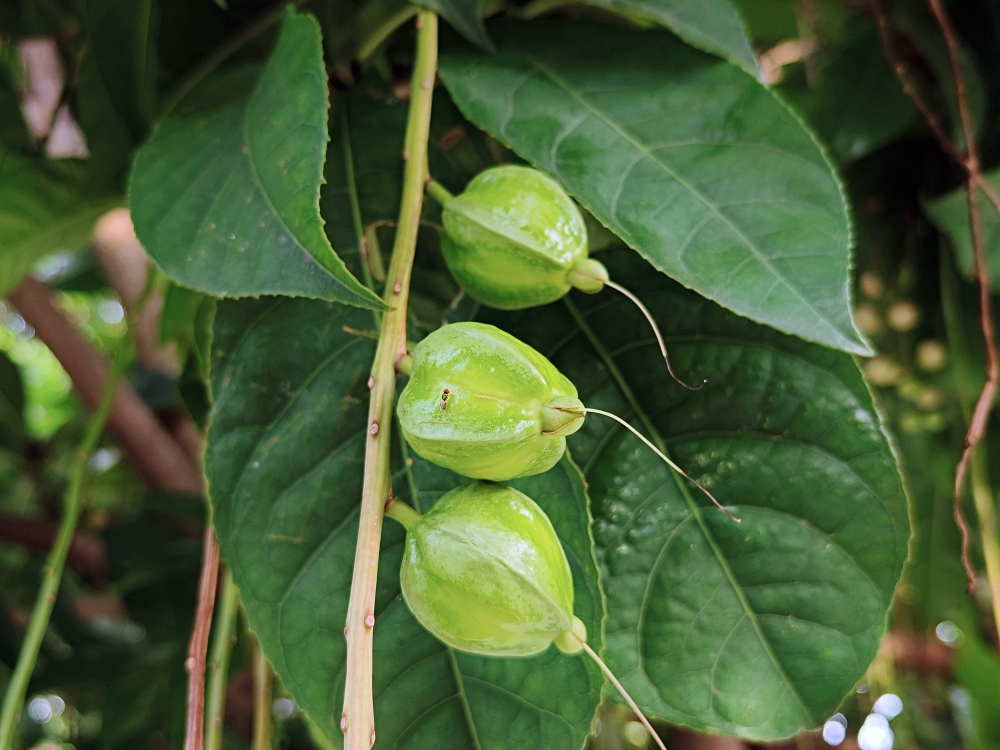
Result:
[[756, 629], [227, 201], [284, 464], [117, 87], [44, 206], [363, 170], [465, 16], [711, 25], [12, 431], [950, 214], [13, 130], [121, 37], [690, 161], [858, 104]]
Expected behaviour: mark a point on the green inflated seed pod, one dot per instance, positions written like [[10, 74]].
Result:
[[514, 239], [485, 573], [486, 405]]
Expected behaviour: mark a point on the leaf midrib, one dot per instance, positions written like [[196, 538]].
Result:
[[712, 207], [693, 507]]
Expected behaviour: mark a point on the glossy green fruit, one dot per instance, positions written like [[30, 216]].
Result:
[[486, 405], [485, 573], [514, 239]]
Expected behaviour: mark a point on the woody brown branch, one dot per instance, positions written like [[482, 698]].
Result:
[[157, 455]]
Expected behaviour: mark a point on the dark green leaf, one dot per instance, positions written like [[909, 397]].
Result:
[[465, 16], [978, 671], [284, 464], [950, 214], [109, 139], [117, 91], [363, 165], [12, 432], [121, 38], [690, 161], [756, 629], [227, 201], [711, 25], [858, 105], [13, 130], [44, 206]]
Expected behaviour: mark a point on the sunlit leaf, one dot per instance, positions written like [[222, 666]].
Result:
[[227, 201], [690, 161], [757, 629], [284, 465]]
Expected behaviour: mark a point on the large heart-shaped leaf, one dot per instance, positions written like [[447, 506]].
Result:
[[711, 25], [227, 201], [690, 161], [284, 465], [44, 206], [756, 629]]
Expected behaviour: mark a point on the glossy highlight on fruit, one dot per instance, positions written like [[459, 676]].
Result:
[[486, 405], [514, 239], [485, 573]]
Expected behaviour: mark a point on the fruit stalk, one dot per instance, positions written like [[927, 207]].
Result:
[[358, 719]]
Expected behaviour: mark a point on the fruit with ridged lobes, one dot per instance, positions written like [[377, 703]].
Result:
[[486, 405], [485, 573], [514, 239]]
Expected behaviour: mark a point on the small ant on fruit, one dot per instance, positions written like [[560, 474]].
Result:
[[444, 399]]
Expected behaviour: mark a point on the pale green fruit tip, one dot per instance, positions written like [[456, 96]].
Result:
[[562, 416], [571, 642], [588, 275]]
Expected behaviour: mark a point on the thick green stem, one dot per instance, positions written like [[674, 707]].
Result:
[[52, 573], [218, 664], [402, 513], [358, 719], [439, 192]]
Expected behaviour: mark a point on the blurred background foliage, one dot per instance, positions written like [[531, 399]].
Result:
[[111, 673]]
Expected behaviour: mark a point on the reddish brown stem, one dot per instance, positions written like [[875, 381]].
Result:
[[955, 60], [924, 108], [889, 49], [194, 734], [981, 413], [154, 452], [975, 181]]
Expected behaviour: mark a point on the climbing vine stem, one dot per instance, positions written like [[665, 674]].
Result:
[[218, 664], [358, 719], [53, 570]]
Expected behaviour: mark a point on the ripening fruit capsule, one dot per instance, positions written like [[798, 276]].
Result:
[[486, 405], [485, 573], [514, 239]]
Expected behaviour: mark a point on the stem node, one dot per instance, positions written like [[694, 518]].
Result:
[[359, 731]]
